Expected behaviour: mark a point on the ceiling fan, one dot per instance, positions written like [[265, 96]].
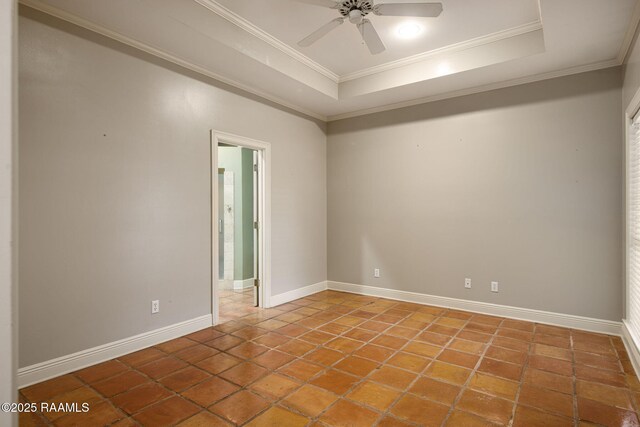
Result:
[[356, 10]]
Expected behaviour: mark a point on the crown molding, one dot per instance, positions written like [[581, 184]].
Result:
[[629, 36], [247, 26], [456, 47], [478, 89], [81, 22]]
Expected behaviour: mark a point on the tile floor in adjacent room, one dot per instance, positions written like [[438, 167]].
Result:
[[338, 359]]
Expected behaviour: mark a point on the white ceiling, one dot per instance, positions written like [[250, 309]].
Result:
[[342, 50], [474, 45]]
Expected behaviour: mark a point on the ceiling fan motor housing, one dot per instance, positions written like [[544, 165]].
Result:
[[355, 10]]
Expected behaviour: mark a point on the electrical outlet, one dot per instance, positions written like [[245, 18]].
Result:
[[494, 286], [155, 306], [467, 283], [376, 272]]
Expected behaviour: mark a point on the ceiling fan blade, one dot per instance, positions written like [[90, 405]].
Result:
[[333, 4], [371, 37], [429, 10], [320, 32]]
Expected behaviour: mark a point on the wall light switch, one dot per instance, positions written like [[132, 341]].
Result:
[[494, 286], [376, 272]]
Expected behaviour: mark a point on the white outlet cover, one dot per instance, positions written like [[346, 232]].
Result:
[[494, 286], [467, 283], [155, 306], [376, 272]]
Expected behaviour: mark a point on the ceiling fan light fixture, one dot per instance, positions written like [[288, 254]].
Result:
[[355, 16], [408, 30]]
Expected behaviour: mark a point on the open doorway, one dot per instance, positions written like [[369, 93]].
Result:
[[239, 239]]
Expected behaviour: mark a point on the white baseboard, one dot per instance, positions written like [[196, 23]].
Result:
[[630, 342], [242, 284], [297, 293], [546, 317], [72, 362]]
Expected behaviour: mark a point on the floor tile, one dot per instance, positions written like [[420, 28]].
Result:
[[448, 373], [420, 411], [167, 413], [501, 369], [162, 367], [142, 357], [135, 399], [210, 391], [494, 386], [459, 358], [546, 400], [274, 386], [356, 366], [530, 417], [184, 378], [176, 345], [247, 350], [435, 390], [460, 418], [273, 359], [204, 419], [408, 361], [120, 383], [103, 413], [310, 400], [602, 376], [244, 373], [218, 363], [50, 388], [466, 346], [492, 408], [296, 347], [301, 370], [612, 396], [394, 377], [347, 414], [374, 352], [196, 353], [548, 380], [590, 410], [278, 417], [376, 395], [324, 356], [240, 407], [101, 371], [335, 381]]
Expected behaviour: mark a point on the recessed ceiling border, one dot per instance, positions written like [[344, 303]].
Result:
[[625, 49], [456, 47], [479, 89], [81, 22], [252, 29]]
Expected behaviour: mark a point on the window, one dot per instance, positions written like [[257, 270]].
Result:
[[633, 229]]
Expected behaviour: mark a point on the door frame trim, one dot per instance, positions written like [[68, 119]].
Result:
[[264, 215]]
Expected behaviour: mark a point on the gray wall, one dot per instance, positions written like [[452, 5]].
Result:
[[115, 189], [521, 185], [8, 209]]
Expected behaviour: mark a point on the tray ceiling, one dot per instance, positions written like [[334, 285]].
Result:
[[473, 46]]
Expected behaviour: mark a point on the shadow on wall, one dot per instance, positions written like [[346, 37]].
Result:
[[531, 93]]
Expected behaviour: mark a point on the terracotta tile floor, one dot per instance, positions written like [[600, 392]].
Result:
[[337, 359], [235, 304]]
